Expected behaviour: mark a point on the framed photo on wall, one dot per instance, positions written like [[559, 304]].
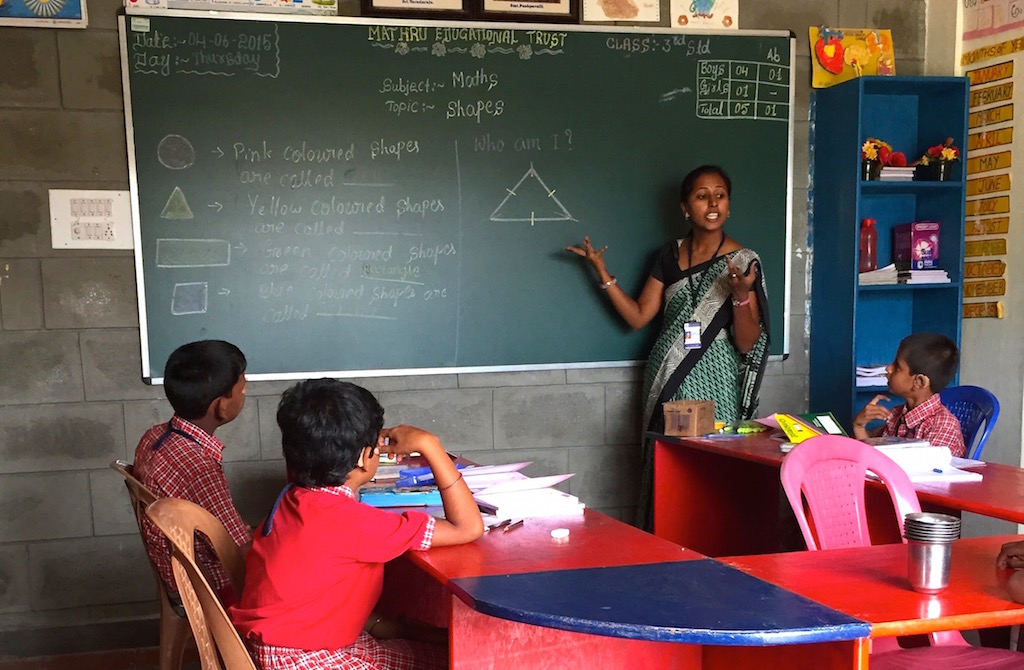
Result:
[[419, 9], [44, 13], [562, 11]]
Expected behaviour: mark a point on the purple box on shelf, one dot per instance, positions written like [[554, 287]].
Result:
[[916, 244]]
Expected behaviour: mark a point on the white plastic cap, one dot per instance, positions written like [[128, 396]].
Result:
[[560, 533]]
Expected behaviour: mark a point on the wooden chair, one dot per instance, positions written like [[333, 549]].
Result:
[[174, 629], [220, 646], [828, 472]]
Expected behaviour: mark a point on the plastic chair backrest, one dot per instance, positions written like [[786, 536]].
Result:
[[216, 637], [828, 471], [972, 406], [174, 628]]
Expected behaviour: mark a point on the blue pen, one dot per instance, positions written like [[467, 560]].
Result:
[[937, 470]]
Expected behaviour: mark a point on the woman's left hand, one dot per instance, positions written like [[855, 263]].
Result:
[[741, 282]]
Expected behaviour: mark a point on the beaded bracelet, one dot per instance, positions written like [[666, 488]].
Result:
[[454, 482], [608, 284]]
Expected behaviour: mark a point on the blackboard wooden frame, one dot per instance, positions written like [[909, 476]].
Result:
[[575, 314]]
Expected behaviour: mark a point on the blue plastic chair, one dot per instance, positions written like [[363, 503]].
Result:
[[972, 406]]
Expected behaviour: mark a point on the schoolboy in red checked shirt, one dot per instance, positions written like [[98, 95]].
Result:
[[205, 384], [316, 568], [925, 363]]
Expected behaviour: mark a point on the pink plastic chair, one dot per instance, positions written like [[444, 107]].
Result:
[[827, 472]]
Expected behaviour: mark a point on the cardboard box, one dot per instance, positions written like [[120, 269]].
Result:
[[689, 417], [916, 245]]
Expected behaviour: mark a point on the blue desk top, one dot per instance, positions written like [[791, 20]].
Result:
[[695, 602]]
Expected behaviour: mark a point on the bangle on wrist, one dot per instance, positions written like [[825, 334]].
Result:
[[608, 284], [374, 625], [741, 303], [453, 483]]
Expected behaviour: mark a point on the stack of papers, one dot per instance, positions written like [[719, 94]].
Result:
[[892, 173], [500, 490], [921, 461], [871, 375], [936, 276], [528, 503], [886, 275]]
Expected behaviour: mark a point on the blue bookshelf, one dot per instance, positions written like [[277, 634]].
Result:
[[853, 325]]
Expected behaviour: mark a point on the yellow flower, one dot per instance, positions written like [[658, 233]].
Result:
[[870, 151], [948, 154]]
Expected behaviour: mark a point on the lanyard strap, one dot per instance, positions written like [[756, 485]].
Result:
[[689, 256]]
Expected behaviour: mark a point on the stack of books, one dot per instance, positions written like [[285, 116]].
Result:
[[892, 173], [886, 275], [935, 276], [871, 375]]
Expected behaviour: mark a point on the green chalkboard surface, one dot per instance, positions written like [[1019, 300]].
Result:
[[394, 197]]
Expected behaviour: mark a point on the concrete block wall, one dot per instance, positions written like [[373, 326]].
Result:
[[71, 398]]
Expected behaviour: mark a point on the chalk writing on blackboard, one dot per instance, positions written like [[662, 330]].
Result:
[[742, 90], [231, 51], [534, 197]]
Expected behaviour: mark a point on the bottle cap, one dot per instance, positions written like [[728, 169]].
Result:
[[867, 222], [560, 534]]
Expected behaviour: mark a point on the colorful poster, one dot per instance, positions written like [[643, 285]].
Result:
[[48, 13], [839, 54], [638, 11], [709, 14]]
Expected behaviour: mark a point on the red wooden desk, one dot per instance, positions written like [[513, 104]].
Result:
[[722, 496], [420, 585], [870, 583]]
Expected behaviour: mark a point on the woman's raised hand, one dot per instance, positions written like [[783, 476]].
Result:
[[587, 251], [741, 282]]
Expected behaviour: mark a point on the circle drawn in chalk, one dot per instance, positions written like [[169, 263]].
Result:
[[175, 152]]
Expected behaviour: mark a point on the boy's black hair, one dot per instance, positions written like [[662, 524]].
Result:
[[198, 373], [932, 355], [325, 424], [690, 180]]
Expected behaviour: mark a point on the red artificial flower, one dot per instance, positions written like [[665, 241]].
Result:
[[898, 159]]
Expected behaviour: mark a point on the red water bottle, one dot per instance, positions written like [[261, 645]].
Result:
[[868, 246]]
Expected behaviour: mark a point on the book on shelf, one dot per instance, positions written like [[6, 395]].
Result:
[[893, 173], [872, 375], [883, 275]]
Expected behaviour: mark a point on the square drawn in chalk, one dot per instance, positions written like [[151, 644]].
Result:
[[190, 298]]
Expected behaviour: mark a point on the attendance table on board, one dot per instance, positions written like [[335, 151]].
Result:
[[722, 496]]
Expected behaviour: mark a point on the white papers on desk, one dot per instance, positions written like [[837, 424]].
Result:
[[529, 503], [926, 463], [528, 497]]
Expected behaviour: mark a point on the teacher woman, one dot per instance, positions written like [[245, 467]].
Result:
[[714, 338]]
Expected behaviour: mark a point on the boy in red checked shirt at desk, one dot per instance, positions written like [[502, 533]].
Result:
[[316, 568], [924, 364], [205, 384]]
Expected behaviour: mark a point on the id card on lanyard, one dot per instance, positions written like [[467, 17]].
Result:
[[691, 335]]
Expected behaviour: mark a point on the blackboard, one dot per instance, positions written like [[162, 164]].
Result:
[[355, 197]]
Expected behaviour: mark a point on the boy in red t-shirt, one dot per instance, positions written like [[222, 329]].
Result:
[[316, 568]]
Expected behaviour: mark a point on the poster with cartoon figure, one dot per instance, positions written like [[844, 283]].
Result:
[[710, 14], [839, 54], [48, 13]]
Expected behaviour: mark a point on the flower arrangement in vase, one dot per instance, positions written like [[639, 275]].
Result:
[[875, 153], [941, 156]]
